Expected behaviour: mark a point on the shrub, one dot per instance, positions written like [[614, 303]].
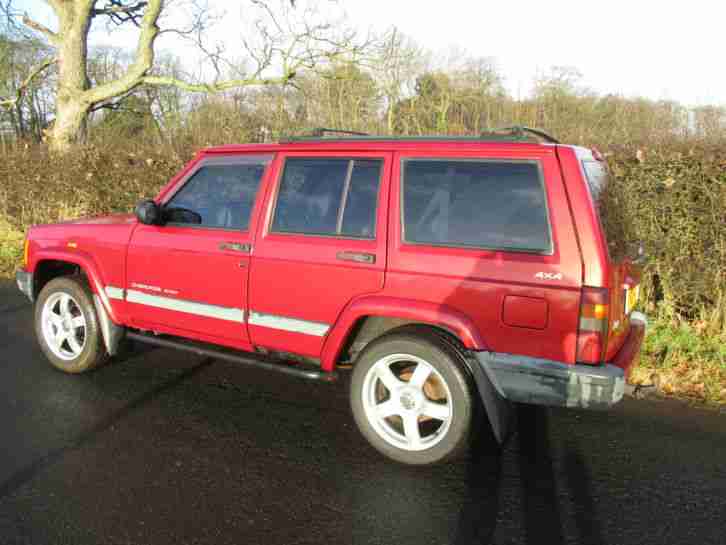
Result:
[[36, 187], [673, 200]]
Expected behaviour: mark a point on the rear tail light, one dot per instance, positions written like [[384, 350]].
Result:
[[593, 328]]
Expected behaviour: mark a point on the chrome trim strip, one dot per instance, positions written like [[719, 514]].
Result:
[[190, 307], [293, 325], [114, 293]]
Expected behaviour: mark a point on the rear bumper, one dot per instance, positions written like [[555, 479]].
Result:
[[24, 280], [544, 382]]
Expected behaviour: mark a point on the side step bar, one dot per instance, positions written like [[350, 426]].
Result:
[[189, 346]]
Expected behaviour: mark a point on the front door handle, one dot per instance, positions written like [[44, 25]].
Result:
[[357, 257], [235, 247]]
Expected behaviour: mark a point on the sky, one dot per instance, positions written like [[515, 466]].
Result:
[[655, 49]]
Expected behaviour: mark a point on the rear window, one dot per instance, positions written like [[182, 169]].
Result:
[[597, 177], [609, 209], [497, 205]]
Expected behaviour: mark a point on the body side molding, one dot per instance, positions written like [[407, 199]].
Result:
[[230, 314]]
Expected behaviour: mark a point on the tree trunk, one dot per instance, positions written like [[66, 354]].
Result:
[[71, 106], [69, 125]]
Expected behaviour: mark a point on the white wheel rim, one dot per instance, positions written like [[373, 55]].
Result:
[[64, 326], [406, 417]]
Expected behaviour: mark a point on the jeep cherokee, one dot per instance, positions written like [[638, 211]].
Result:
[[455, 276]]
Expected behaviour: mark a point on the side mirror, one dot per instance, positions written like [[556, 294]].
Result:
[[148, 213]]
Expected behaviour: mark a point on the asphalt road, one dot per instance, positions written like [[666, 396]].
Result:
[[165, 447]]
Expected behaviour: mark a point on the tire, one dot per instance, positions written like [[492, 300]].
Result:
[[67, 326], [407, 420]]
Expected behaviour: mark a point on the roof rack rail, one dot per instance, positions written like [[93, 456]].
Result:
[[505, 134], [320, 132], [520, 131]]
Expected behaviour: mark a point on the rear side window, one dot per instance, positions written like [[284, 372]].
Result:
[[482, 204], [219, 195], [334, 197]]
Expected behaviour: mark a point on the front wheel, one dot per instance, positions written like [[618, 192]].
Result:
[[411, 398], [67, 327]]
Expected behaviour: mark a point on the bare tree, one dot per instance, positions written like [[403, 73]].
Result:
[[285, 43], [24, 85], [398, 62]]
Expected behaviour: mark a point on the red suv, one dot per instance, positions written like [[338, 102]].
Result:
[[450, 274]]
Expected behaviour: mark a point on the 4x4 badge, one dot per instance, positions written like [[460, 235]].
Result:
[[548, 276]]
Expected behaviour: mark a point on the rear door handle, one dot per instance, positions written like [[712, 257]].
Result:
[[235, 247], [357, 257]]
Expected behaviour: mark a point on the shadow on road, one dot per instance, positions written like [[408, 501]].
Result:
[[542, 520], [478, 515], [578, 479], [541, 490]]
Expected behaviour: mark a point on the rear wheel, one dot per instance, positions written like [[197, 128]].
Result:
[[411, 398], [67, 327]]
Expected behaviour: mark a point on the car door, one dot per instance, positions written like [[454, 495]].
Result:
[[189, 275], [322, 244]]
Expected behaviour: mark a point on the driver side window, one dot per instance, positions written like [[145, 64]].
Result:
[[218, 196]]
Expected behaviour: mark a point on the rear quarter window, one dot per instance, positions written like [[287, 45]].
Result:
[[488, 204]]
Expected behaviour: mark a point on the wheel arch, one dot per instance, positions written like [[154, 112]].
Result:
[[369, 317], [48, 269], [51, 264]]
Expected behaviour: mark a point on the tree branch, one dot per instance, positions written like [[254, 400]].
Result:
[[215, 87], [121, 13], [34, 73], [45, 31], [143, 61], [113, 104]]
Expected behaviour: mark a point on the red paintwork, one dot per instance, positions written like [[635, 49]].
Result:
[[462, 290], [528, 312], [100, 250]]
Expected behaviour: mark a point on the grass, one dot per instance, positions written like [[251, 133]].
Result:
[[11, 248], [683, 360]]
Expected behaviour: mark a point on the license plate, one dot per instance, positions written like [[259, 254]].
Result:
[[631, 298]]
